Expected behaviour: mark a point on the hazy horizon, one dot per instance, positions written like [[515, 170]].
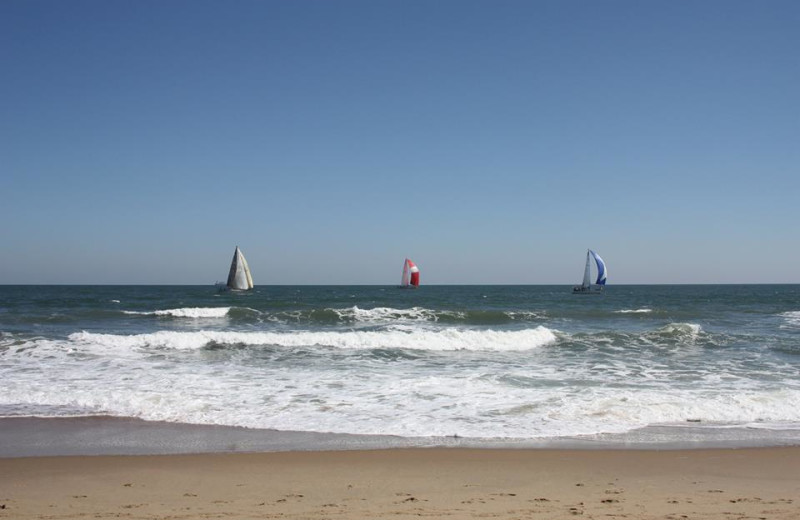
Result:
[[382, 285]]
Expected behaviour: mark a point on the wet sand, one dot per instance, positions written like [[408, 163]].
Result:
[[757, 483], [99, 435]]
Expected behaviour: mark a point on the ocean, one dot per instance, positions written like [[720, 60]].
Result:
[[490, 364]]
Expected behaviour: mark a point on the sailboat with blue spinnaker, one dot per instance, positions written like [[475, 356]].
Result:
[[586, 287]]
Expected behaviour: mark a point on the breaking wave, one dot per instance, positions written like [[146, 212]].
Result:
[[385, 314], [792, 319], [442, 340], [388, 315], [690, 330], [187, 312]]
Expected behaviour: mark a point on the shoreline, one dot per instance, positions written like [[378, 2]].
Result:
[[761, 483], [108, 436]]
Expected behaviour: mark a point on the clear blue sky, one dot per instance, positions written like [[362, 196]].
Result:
[[491, 142]]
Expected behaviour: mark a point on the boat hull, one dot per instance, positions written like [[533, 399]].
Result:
[[580, 289]]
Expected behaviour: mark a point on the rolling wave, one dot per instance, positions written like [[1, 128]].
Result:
[[792, 319], [683, 330], [387, 315], [442, 340], [187, 312], [348, 315]]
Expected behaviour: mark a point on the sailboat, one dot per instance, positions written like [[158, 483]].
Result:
[[586, 287], [239, 277], [410, 279]]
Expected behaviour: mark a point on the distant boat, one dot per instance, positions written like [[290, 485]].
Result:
[[586, 287], [239, 277], [410, 279]]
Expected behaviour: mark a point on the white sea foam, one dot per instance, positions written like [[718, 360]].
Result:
[[397, 399], [388, 314], [525, 315], [187, 312], [792, 318], [634, 311], [441, 340], [682, 329], [471, 382]]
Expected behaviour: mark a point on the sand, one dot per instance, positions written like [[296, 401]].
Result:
[[757, 483]]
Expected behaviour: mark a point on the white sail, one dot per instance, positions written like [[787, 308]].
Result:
[[406, 276], [239, 276], [587, 272]]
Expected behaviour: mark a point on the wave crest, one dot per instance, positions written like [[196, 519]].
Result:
[[792, 318], [383, 314], [186, 312], [444, 340], [682, 329]]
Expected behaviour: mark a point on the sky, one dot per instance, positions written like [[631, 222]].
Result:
[[489, 141]]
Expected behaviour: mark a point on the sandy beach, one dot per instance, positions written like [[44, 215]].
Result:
[[757, 483]]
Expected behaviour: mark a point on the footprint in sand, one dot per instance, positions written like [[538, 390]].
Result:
[[473, 500], [285, 497], [411, 499], [577, 509]]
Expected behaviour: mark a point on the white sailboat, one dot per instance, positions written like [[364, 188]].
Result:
[[239, 277], [586, 287], [410, 278]]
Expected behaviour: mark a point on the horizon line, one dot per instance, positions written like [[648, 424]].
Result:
[[70, 284]]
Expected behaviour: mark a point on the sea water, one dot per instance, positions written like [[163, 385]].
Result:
[[487, 363]]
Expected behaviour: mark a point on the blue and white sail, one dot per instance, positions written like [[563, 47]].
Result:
[[602, 274], [601, 269]]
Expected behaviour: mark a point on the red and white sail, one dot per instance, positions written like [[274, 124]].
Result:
[[410, 274]]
